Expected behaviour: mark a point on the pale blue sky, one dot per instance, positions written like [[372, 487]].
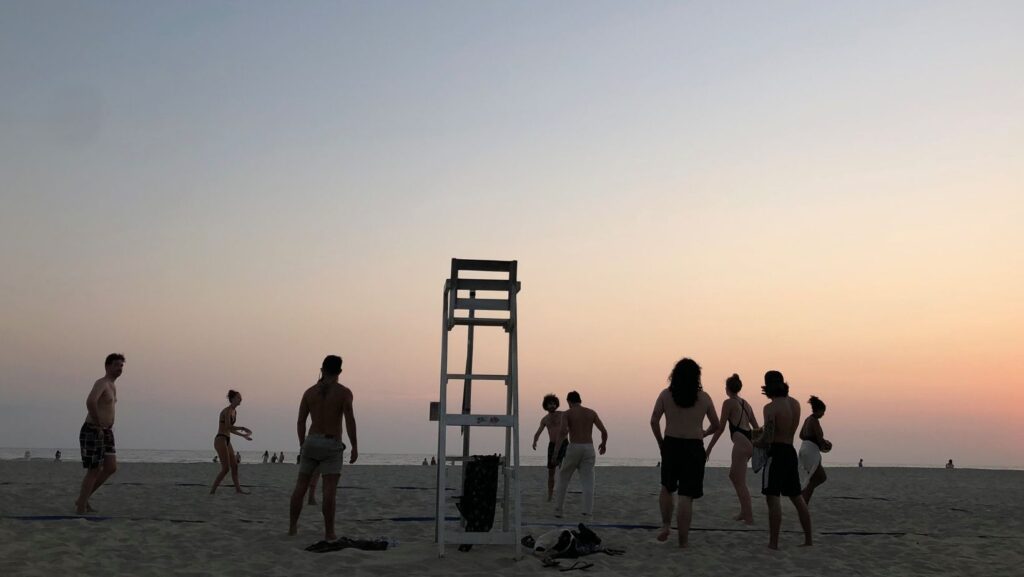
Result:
[[228, 191]]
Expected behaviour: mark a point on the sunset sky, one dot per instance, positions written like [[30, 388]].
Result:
[[226, 192]]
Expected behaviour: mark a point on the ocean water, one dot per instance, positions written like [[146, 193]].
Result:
[[206, 456]]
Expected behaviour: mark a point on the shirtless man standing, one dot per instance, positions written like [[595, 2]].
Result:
[[553, 423], [685, 405], [96, 438], [328, 403], [578, 423], [781, 475]]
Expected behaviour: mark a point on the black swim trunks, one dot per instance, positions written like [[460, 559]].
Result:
[[96, 444], [555, 461], [682, 466], [781, 474]]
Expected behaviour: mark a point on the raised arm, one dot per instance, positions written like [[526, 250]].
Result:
[[717, 430], [604, 433], [350, 426], [656, 414], [300, 425]]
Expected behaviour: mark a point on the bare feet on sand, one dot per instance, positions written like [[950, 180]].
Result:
[[663, 534]]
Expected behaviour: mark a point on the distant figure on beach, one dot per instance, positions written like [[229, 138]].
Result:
[[553, 423], [781, 474], [266, 457], [238, 457], [425, 463], [28, 455], [96, 438], [739, 415], [57, 457], [281, 458], [860, 463], [222, 442], [684, 405], [273, 459], [329, 404], [812, 472], [949, 465], [215, 459], [433, 461], [578, 424]]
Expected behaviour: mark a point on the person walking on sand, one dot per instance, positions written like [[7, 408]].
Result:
[[812, 472], [739, 415], [328, 404], [266, 457], [96, 438], [685, 406], [226, 427], [553, 423], [578, 424], [281, 458], [781, 475]]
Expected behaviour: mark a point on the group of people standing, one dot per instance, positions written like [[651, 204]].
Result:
[[685, 407], [327, 405]]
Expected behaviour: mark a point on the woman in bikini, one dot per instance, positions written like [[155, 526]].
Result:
[[222, 442], [739, 416], [812, 473]]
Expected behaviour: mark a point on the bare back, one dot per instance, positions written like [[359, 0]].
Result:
[[683, 422], [783, 416], [553, 423], [580, 421], [326, 407]]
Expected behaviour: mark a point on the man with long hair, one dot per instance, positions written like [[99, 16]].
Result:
[[556, 452], [685, 405]]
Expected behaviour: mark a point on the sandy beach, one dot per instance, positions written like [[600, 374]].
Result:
[[157, 519]]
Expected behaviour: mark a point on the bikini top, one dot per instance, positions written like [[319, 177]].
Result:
[[736, 427]]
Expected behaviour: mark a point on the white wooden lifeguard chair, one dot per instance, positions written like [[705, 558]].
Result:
[[460, 308]]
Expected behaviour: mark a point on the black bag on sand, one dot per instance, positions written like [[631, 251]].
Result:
[[479, 494]]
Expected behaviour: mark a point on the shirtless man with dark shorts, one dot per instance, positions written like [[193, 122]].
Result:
[[685, 405], [96, 438], [328, 403], [781, 475], [553, 423]]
